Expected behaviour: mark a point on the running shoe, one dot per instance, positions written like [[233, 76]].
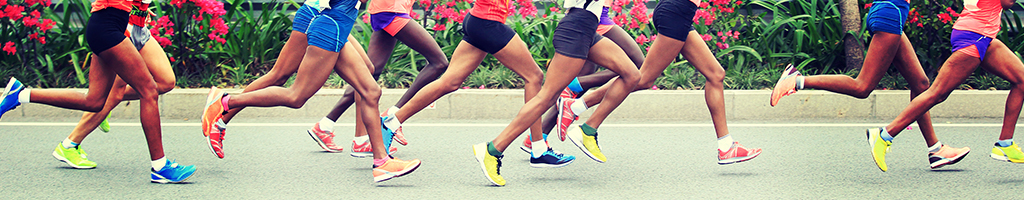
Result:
[[737, 153], [551, 159], [387, 134], [1011, 153], [324, 138], [75, 157], [565, 116], [394, 168], [786, 84], [878, 147], [947, 156], [172, 173], [212, 121], [491, 165], [365, 150], [587, 143], [105, 124], [9, 99], [390, 121], [567, 93]]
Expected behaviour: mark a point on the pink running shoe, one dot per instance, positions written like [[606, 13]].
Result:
[[212, 121], [786, 85], [364, 150], [565, 116], [737, 153], [324, 138], [216, 139], [947, 156], [567, 93]]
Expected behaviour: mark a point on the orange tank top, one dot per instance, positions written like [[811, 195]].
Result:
[[494, 10], [125, 5], [980, 16], [395, 6]]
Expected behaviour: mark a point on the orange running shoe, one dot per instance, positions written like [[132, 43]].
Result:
[[947, 156], [212, 121], [786, 84], [394, 168], [737, 153]]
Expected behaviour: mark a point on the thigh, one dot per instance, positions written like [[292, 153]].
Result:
[[381, 47], [663, 51], [1003, 62], [157, 62], [417, 38], [605, 53], [516, 56], [128, 64], [465, 60], [352, 69], [954, 71], [907, 62]]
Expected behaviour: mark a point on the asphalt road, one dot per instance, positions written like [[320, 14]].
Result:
[[661, 161]]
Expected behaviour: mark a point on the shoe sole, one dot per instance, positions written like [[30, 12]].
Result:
[[776, 96], [545, 165], [579, 144], [168, 181], [1001, 158], [738, 160], [368, 154], [944, 162], [321, 142], [871, 143], [558, 121], [400, 174], [483, 167], [526, 149], [65, 160]]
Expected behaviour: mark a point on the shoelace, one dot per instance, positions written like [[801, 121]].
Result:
[[498, 170]]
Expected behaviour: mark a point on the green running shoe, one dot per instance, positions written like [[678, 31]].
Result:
[[878, 147], [1011, 153], [75, 157], [105, 125]]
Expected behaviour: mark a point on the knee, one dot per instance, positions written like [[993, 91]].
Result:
[[279, 77], [921, 85], [371, 95], [164, 87], [297, 101], [450, 85], [533, 77], [715, 77], [631, 78], [863, 91], [437, 66]]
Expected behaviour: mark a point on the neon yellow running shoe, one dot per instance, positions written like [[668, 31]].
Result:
[[105, 125], [75, 157], [878, 147], [587, 143], [1011, 153], [490, 164]]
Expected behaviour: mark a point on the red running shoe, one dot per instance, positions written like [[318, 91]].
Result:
[[565, 116], [737, 153], [324, 138]]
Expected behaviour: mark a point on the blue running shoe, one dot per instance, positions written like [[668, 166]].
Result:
[[9, 99], [386, 134], [172, 173], [551, 159]]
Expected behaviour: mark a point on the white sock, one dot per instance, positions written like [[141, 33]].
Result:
[[935, 148], [539, 147], [724, 143], [578, 107], [24, 95], [68, 144], [392, 110], [158, 164], [800, 82], [392, 123], [326, 125], [361, 139]]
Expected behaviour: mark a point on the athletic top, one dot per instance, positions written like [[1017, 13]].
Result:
[[494, 10], [980, 16], [395, 6], [125, 5], [594, 6], [608, 3]]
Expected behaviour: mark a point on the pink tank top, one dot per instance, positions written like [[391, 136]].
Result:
[[395, 6], [980, 16]]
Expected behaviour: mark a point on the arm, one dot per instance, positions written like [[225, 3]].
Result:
[[1007, 4]]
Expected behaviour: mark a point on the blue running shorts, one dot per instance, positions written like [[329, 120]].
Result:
[[303, 17], [888, 16], [330, 29]]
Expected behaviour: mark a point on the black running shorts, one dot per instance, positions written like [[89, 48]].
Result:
[[105, 29], [674, 18], [487, 35], [576, 33]]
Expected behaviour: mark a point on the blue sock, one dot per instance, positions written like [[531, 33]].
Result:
[[885, 135], [545, 137], [575, 85], [1005, 143]]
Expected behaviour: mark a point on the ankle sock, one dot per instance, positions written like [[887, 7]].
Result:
[[158, 164], [725, 143], [587, 130], [575, 86], [539, 147], [935, 147], [1005, 143], [379, 162], [224, 102], [326, 125], [491, 150], [361, 139], [578, 106], [24, 95], [800, 82], [885, 135], [392, 111], [68, 144]]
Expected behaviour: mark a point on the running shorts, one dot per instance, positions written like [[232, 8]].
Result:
[[329, 30], [674, 18], [487, 35], [390, 22], [138, 35], [576, 33], [105, 29], [606, 22], [888, 16], [303, 17], [971, 43]]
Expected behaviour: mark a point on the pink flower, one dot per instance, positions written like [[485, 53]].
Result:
[[739, 2], [722, 45], [483, 87], [706, 37], [425, 3], [164, 42], [642, 39], [42, 40], [9, 48], [465, 87], [654, 87], [438, 27], [414, 15], [653, 37], [366, 18], [554, 9], [867, 5], [945, 18]]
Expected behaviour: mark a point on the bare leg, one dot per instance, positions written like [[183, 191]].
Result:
[[908, 65], [287, 64], [1001, 61], [312, 74], [954, 71], [605, 54], [516, 56], [884, 47], [465, 59], [697, 52], [359, 77]]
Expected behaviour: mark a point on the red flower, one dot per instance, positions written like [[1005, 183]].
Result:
[[171, 58], [554, 9], [425, 3], [642, 39], [164, 42], [9, 48], [706, 37], [414, 15], [14, 12], [739, 2], [867, 5], [42, 40], [33, 36], [45, 24], [945, 18], [438, 27], [451, 3], [366, 18], [3, 3]]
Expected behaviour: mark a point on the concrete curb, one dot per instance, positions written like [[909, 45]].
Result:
[[682, 105]]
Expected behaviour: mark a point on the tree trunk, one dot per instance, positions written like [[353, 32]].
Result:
[[854, 48]]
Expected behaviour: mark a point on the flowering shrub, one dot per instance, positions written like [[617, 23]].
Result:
[[190, 31], [27, 35]]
